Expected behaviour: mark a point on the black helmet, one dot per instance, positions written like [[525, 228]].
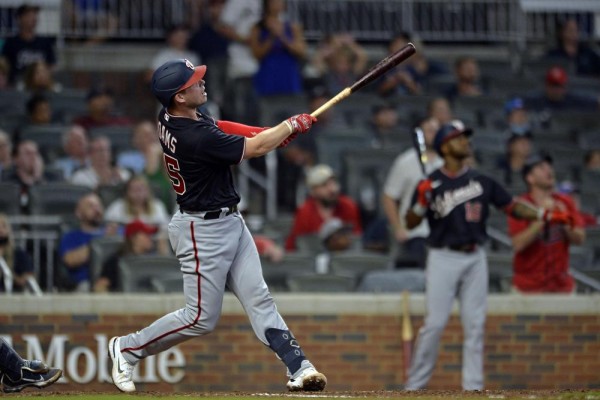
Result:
[[173, 77]]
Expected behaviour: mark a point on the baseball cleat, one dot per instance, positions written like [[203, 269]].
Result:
[[122, 371], [35, 366], [30, 379], [309, 380]]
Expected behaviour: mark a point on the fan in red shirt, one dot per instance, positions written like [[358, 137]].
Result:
[[325, 202], [541, 262]]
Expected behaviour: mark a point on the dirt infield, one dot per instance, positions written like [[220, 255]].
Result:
[[420, 395]]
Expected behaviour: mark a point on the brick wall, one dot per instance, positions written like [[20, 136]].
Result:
[[355, 351]]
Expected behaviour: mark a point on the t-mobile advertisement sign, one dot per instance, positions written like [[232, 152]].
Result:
[[84, 364]]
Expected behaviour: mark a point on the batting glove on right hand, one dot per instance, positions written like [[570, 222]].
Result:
[[424, 189], [557, 217], [300, 123]]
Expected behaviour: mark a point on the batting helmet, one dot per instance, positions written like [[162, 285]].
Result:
[[449, 131], [173, 77]]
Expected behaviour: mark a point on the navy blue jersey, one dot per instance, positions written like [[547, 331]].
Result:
[[460, 207], [198, 157]]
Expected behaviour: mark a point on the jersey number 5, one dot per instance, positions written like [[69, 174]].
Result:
[[172, 165]]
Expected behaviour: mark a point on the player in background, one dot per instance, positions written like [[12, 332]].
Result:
[[541, 259], [455, 199], [16, 373], [208, 234]]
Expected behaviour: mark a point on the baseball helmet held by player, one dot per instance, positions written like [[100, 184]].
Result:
[[449, 131], [174, 76]]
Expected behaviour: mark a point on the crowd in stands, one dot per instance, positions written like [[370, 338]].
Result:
[[259, 59]]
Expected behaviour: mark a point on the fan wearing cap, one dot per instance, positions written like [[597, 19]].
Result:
[[455, 200], [541, 261], [557, 97], [139, 240], [323, 203], [27, 47], [208, 234]]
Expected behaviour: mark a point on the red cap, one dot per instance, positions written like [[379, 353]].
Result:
[[138, 226], [556, 76]]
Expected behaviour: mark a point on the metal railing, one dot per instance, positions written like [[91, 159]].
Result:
[[373, 20]]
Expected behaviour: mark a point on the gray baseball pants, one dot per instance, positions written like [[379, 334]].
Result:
[[451, 274], [213, 254]]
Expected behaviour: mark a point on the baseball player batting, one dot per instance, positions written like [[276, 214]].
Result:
[[455, 199], [208, 234]]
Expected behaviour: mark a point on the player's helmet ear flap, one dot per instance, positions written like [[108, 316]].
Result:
[[173, 77]]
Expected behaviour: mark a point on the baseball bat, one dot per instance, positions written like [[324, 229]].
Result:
[[419, 144], [378, 70], [407, 334]]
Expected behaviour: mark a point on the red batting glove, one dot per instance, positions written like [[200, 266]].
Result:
[[558, 217], [300, 123], [424, 190], [288, 140]]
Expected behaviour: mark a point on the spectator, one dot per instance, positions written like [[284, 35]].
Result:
[[237, 20], [210, 44], [337, 236], [466, 71], [400, 184], [26, 47], [569, 48], [6, 146], [15, 258], [279, 46], [4, 74], [97, 17], [147, 148], [76, 148], [541, 261], [138, 203], [339, 61], [518, 149], [101, 170], [412, 75], [18, 373], [591, 160], [517, 118], [39, 111], [324, 202], [383, 125], [74, 248], [28, 170], [139, 240], [38, 79], [101, 111], [176, 47], [439, 108], [557, 97], [268, 248]]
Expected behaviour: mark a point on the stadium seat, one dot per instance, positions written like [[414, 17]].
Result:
[[10, 202], [101, 249], [276, 274], [321, 283], [136, 272], [411, 279], [358, 263], [55, 198]]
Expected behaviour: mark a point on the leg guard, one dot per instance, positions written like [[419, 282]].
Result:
[[285, 345]]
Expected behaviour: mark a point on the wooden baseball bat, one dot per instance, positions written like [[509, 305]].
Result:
[[378, 70], [407, 334]]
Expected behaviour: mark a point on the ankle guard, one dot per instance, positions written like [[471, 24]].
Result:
[[285, 345]]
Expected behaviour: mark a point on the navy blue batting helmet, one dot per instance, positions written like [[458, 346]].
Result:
[[173, 77], [449, 131]]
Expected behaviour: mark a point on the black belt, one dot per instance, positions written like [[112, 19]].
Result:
[[216, 214], [463, 248]]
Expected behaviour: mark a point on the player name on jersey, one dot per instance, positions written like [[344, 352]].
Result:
[[165, 136]]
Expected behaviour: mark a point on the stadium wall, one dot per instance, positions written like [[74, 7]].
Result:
[[533, 342]]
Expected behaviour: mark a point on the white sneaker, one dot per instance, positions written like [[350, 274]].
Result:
[[122, 371], [308, 380]]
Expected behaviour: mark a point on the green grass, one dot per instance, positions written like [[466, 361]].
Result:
[[488, 395]]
